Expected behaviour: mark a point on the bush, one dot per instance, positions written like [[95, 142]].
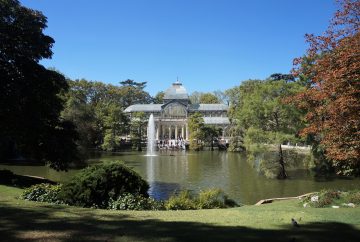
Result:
[[182, 201], [208, 199], [213, 198], [324, 198], [43, 193], [94, 186], [327, 197], [129, 201], [353, 197]]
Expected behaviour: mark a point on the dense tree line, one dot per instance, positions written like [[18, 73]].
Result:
[[319, 103], [261, 118], [96, 109]]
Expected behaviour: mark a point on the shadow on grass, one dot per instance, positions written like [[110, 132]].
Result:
[[49, 223], [22, 181]]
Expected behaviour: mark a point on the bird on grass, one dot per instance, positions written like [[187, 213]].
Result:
[[294, 223]]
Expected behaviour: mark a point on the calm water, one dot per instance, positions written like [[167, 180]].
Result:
[[174, 171]]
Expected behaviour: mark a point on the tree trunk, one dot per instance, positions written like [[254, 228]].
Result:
[[282, 174], [139, 144]]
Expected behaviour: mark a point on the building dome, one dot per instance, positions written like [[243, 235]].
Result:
[[176, 91]]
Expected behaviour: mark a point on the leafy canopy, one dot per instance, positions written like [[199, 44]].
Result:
[[29, 102], [332, 98]]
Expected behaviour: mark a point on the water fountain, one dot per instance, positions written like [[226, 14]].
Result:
[[151, 142]]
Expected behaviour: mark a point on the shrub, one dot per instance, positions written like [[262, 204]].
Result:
[[214, 198], [327, 197], [353, 197], [43, 193], [94, 186], [324, 198], [211, 198], [182, 201], [128, 201]]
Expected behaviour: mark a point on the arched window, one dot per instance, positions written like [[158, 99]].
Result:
[[174, 110]]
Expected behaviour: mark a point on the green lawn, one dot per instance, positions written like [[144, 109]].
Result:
[[24, 220]]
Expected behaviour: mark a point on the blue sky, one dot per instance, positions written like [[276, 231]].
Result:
[[208, 44]]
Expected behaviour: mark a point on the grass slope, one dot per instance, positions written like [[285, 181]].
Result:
[[30, 221]]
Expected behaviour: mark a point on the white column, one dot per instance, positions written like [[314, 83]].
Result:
[[182, 131], [163, 131], [187, 132], [170, 132], [157, 131], [176, 131]]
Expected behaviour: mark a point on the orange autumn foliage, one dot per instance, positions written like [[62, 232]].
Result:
[[332, 98]]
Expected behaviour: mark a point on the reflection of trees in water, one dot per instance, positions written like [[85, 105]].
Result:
[[265, 163]]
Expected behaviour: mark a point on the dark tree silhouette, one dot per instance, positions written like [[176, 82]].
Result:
[[30, 103]]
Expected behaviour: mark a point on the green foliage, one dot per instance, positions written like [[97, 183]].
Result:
[[353, 197], [159, 97], [138, 128], [128, 201], [43, 193], [208, 98], [210, 133], [329, 198], [115, 123], [196, 124], [30, 100], [97, 111], [265, 117], [183, 201], [214, 198], [207, 199], [94, 186], [236, 142]]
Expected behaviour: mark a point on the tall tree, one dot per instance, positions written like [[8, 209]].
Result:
[[222, 97], [138, 127], [29, 102], [115, 124], [159, 97], [195, 97], [96, 110], [332, 100], [196, 125], [266, 118], [284, 77], [210, 134], [208, 98], [133, 93]]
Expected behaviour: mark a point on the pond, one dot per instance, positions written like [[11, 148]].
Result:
[[174, 171]]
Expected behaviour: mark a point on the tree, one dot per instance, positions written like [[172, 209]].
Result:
[[138, 125], [30, 103], [132, 92], [159, 97], [95, 108], [280, 76], [266, 118], [222, 97], [115, 124], [210, 134], [196, 125], [332, 100], [208, 98], [83, 107], [236, 142], [195, 97]]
